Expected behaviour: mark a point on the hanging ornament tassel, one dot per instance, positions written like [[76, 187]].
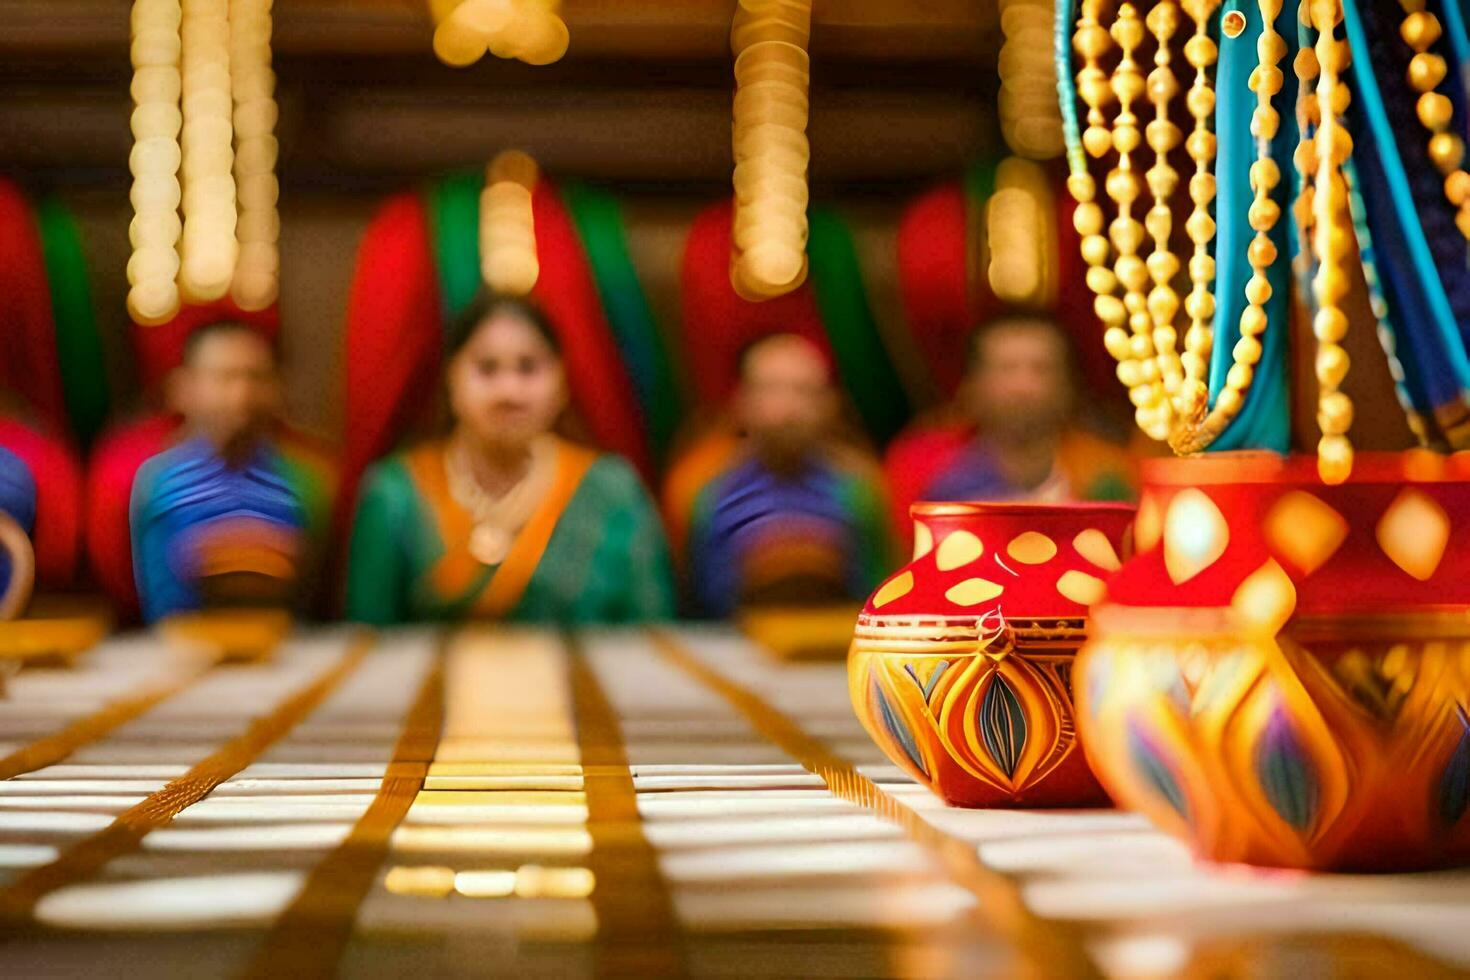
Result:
[[508, 260], [153, 267], [772, 76]]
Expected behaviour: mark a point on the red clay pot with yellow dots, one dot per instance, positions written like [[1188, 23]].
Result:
[[961, 664], [1281, 674]]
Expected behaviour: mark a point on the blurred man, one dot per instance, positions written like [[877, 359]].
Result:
[[788, 515], [1014, 438], [230, 515]]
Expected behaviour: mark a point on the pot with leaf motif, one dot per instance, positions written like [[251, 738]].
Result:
[[961, 663], [1281, 676]]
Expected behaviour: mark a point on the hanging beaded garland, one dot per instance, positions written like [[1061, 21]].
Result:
[[508, 260], [258, 268], [527, 30], [1421, 30], [1135, 295], [772, 72], [204, 145]]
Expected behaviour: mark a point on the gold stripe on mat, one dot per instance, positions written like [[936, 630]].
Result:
[[53, 748], [91, 854], [308, 938], [1051, 949], [638, 933]]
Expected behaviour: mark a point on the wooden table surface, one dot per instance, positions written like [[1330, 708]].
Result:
[[669, 802]]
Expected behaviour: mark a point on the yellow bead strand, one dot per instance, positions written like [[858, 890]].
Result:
[[1201, 53], [1126, 232], [1163, 137], [1332, 239], [1265, 174], [1421, 30]]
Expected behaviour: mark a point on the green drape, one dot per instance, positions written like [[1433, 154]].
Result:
[[78, 347], [862, 361]]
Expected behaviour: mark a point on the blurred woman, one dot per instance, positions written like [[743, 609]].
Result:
[[501, 519]]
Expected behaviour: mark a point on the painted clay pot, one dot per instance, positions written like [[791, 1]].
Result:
[[1281, 675], [961, 664]]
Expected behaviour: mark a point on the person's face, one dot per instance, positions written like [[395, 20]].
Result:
[[1019, 386], [785, 401], [229, 388], [506, 384]]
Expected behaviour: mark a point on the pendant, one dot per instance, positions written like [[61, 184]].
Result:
[[489, 544]]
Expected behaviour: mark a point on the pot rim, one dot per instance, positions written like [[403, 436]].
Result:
[[1429, 622], [955, 508], [1252, 466]]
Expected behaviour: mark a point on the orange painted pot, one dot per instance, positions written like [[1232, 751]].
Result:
[[961, 664], [1281, 675]]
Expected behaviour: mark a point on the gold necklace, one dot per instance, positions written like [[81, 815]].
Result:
[[497, 519]]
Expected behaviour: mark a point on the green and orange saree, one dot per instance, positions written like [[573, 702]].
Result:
[[593, 550]]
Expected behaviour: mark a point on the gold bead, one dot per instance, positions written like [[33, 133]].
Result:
[[1110, 310], [1193, 362], [1435, 111], [1200, 227], [1097, 141], [1334, 459], [1149, 371], [1140, 396], [1116, 339], [1462, 220], [1163, 266], [1341, 97], [1202, 188], [1166, 338], [1331, 365], [1253, 321], [1162, 135], [1305, 157], [1335, 413], [1128, 29], [1267, 80], [1200, 145], [1083, 188], [1126, 233], [1132, 272], [1200, 101], [1163, 305], [1339, 56], [1128, 85], [1200, 51], [1141, 345], [1426, 71], [1420, 30], [1101, 280], [1247, 350], [1092, 41], [1239, 377], [1447, 151], [1095, 250], [1265, 174], [1087, 219], [1270, 46], [1305, 64], [1159, 221], [1330, 325], [1257, 291], [1457, 187], [1229, 402], [1263, 214], [1130, 373], [1261, 253], [1162, 85], [1163, 20], [1122, 185], [1199, 305], [1202, 269], [1265, 122]]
